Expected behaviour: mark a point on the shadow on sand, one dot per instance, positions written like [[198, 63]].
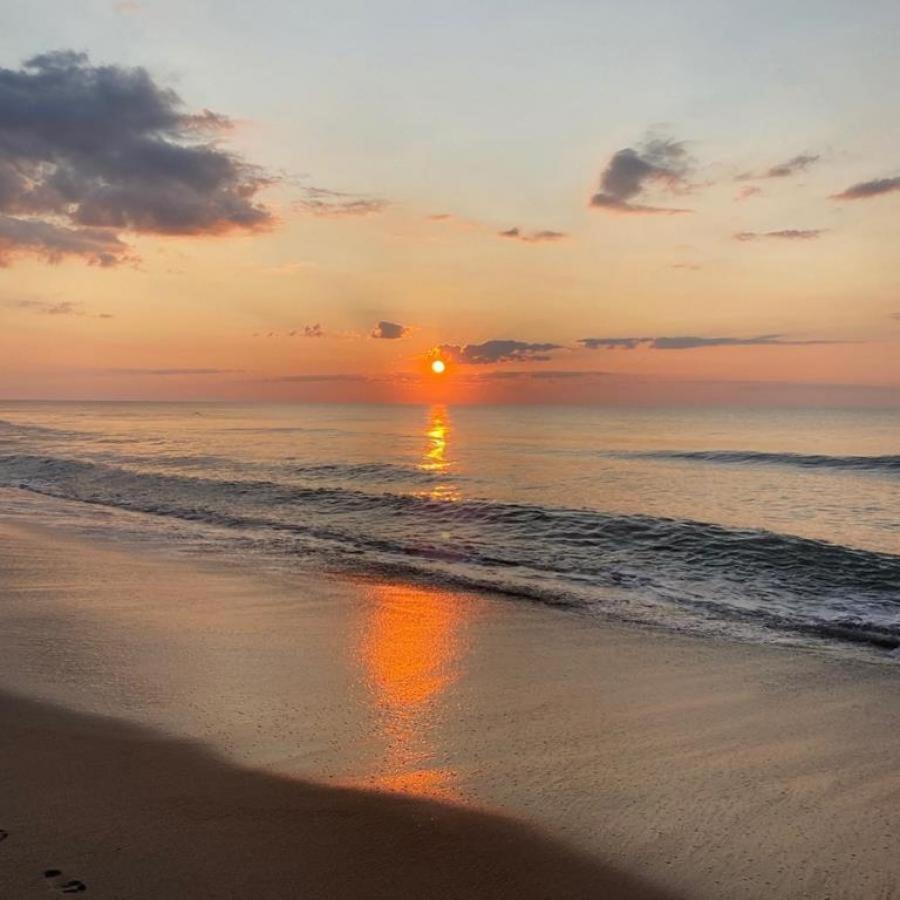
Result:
[[128, 813]]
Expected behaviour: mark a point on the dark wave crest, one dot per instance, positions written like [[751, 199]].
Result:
[[579, 557], [809, 461]]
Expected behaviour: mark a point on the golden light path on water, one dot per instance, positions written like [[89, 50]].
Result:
[[411, 651], [436, 458]]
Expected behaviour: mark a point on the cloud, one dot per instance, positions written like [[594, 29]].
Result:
[[498, 351], [692, 342], [792, 166], [787, 234], [336, 204], [689, 267], [658, 162], [866, 189], [98, 246], [309, 331], [748, 191], [532, 237], [541, 375], [88, 152], [389, 331], [58, 308], [614, 343], [167, 372], [127, 6], [303, 379]]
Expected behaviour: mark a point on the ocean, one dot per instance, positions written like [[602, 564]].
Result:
[[756, 524]]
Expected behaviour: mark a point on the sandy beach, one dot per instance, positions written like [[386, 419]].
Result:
[[190, 730]]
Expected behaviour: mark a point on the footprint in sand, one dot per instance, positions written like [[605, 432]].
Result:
[[64, 885]]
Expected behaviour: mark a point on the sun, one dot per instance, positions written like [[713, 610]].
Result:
[[438, 366]]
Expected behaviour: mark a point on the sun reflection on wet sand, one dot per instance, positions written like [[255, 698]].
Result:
[[410, 650], [435, 457]]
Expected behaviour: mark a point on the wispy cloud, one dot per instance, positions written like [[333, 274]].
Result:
[[389, 331], [54, 308], [865, 189], [692, 342], [88, 152], [315, 377], [532, 237], [541, 375], [499, 351], [337, 204], [793, 166], [308, 331], [748, 191], [787, 234], [168, 372], [658, 162]]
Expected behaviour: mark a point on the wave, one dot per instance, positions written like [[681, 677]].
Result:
[[889, 463], [578, 557]]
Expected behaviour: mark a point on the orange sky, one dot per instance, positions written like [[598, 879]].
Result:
[[455, 215]]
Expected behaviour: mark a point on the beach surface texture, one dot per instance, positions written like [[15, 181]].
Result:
[[188, 730]]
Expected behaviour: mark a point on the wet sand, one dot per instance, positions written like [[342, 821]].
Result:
[[110, 810], [175, 730]]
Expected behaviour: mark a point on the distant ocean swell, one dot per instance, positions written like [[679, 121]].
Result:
[[559, 555], [888, 464]]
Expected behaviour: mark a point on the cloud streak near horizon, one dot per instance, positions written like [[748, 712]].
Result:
[[499, 351], [90, 152], [693, 342], [785, 234]]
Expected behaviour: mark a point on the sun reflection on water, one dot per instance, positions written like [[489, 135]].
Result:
[[435, 458]]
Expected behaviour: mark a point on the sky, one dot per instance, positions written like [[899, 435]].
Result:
[[568, 202]]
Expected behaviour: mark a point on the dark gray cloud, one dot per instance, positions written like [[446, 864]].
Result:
[[54, 308], [389, 331], [787, 234], [792, 166], [614, 343], [658, 162], [532, 237], [336, 204], [692, 342], [88, 152], [98, 246], [498, 351], [865, 189]]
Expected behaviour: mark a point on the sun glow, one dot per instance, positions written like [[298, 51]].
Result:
[[438, 366]]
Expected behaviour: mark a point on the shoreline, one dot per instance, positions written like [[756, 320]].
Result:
[[707, 767]]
